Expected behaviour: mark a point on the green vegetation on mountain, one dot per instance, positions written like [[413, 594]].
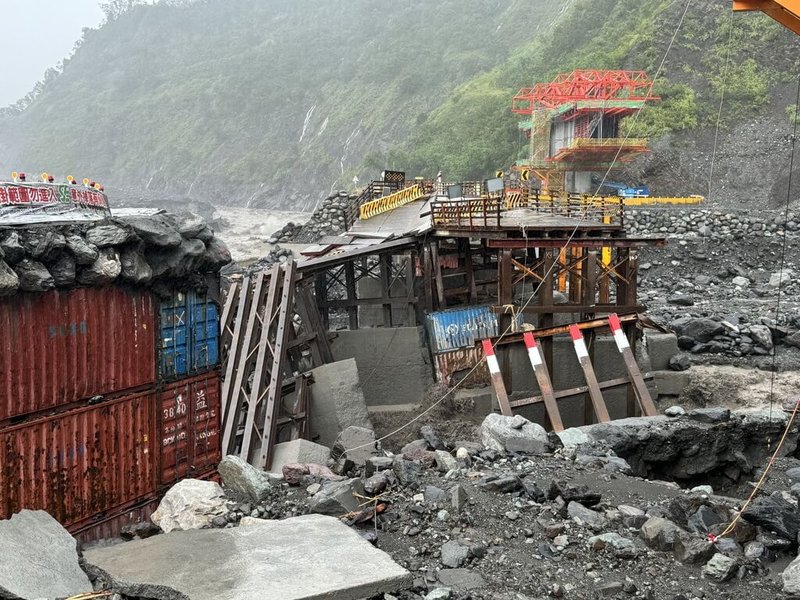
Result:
[[265, 98]]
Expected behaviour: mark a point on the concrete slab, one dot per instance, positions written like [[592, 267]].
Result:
[[303, 558], [671, 383], [394, 363], [298, 451], [337, 401], [39, 558], [660, 348]]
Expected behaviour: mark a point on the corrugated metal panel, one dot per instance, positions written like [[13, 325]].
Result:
[[456, 367], [79, 464], [188, 335], [61, 347], [461, 327], [189, 427]]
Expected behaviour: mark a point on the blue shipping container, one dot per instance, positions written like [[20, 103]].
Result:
[[189, 335], [461, 327]]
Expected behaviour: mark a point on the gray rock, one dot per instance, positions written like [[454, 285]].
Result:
[[9, 280], [445, 461], [533, 491], [513, 434], [710, 415], [33, 276], [244, 478], [615, 464], [572, 492], [178, 261], [357, 444], [793, 473], [612, 588], [740, 281], [42, 243], [40, 558], [408, 472], [680, 300], [458, 497], [591, 518], [12, 248], [461, 579], [134, 267], [762, 336], [440, 594], [679, 362], [85, 253], [700, 330], [216, 254], [105, 269], [780, 278], [414, 445], [189, 225], [703, 520], [110, 234], [754, 550], [435, 495], [190, 504], [505, 484], [660, 534], [454, 554], [720, 568], [376, 484], [675, 411], [631, 516], [63, 270], [791, 578], [692, 551], [433, 437], [298, 451], [155, 230], [206, 234], [336, 498], [614, 540], [776, 514], [378, 463]]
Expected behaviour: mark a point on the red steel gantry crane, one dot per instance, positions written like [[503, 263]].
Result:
[[785, 12]]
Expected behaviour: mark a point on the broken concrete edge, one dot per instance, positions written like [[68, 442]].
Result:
[[125, 588], [6, 595]]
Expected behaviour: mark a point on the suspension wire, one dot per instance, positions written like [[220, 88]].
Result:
[[783, 250], [567, 242]]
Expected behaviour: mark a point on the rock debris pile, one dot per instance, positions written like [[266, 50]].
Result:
[[525, 515], [145, 250], [714, 224], [330, 218]]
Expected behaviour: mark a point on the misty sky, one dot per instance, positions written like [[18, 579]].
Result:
[[36, 35]]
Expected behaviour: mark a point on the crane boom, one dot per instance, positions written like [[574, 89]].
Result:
[[785, 12]]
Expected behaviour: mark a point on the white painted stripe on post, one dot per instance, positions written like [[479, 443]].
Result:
[[536, 358], [622, 341], [494, 366], [580, 349]]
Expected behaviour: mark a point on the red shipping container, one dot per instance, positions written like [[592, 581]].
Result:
[[189, 423], [65, 346], [80, 464]]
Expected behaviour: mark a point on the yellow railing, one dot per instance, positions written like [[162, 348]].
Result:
[[601, 142], [665, 200], [378, 206]]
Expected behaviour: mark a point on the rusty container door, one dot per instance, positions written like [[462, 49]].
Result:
[[189, 427], [82, 463], [65, 346]]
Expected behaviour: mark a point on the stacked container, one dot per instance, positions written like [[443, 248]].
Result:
[[107, 397]]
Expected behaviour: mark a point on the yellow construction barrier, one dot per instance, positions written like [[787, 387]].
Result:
[[378, 206], [645, 200]]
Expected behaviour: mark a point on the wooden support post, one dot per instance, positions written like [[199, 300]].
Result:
[[228, 390], [427, 274], [546, 303], [543, 379], [637, 381], [411, 273], [603, 286], [590, 279], [321, 293], [352, 294], [562, 275], [386, 275], [497, 378], [590, 339], [469, 271], [437, 275], [600, 409], [506, 298]]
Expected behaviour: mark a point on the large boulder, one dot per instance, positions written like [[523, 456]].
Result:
[[104, 270], [337, 498], [777, 513], [298, 452], [244, 479], [42, 243], [63, 270], [513, 434], [216, 254], [189, 225], [155, 230], [700, 330], [40, 558], [9, 280], [177, 261], [791, 579], [85, 253], [12, 247], [190, 504], [110, 234], [661, 534], [33, 276], [134, 267], [357, 444]]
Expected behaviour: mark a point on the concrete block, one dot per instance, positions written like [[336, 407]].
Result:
[[372, 315], [337, 401], [292, 559], [40, 558], [670, 383], [394, 363], [477, 402], [298, 452], [660, 348]]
